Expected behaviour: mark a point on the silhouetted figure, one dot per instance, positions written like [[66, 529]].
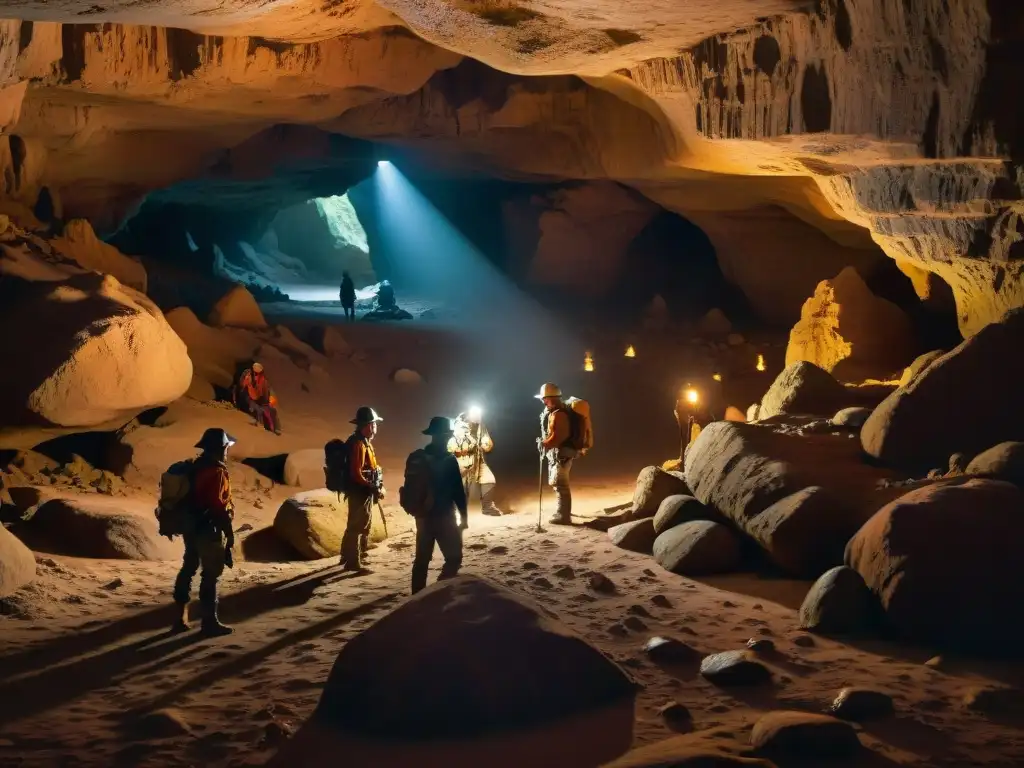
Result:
[[386, 297], [348, 296], [433, 493]]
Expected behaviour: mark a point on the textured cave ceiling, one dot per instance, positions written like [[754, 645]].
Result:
[[869, 120]]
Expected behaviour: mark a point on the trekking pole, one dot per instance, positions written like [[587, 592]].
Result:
[[383, 519], [540, 495]]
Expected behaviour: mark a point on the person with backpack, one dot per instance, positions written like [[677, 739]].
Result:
[[253, 394], [432, 493], [206, 524], [347, 294], [364, 487], [565, 434]]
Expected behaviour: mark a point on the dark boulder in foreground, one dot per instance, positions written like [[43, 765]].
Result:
[[945, 563], [839, 602], [468, 673], [653, 486]]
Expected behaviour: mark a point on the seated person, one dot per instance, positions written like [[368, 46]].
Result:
[[386, 296], [253, 394]]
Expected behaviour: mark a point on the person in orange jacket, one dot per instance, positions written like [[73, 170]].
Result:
[[258, 398], [210, 537], [366, 487]]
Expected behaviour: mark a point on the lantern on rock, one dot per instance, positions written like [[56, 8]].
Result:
[[630, 352], [588, 362], [760, 363]]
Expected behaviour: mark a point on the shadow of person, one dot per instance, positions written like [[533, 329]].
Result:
[[38, 679]]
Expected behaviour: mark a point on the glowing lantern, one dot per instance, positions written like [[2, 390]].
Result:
[[475, 413], [760, 363], [630, 352], [717, 377], [588, 362], [692, 397]]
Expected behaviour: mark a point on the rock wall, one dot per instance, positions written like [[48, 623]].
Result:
[[886, 117]]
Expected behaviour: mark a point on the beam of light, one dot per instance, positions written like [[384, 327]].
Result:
[[429, 257], [383, 163]]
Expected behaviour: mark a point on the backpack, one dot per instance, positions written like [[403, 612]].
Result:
[[336, 469], [417, 495], [174, 509], [581, 428]]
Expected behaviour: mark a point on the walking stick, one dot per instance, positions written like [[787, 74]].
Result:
[[383, 519], [540, 495]]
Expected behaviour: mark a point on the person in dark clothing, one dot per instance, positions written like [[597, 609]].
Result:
[[439, 525], [211, 538], [348, 296], [386, 296]]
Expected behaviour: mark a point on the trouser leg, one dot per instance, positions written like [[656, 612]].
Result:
[[211, 557], [558, 478], [357, 526], [424, 553], [189, 567], [449, 539], [487, 505]]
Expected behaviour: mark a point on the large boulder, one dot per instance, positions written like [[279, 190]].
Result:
[[653, 486], [698, 548], [804, 533], [803, 388], [305, 468], [964, 402], [839, 602], [17, 563], [78, 242], [944, 560], [98, 527], [743, 470], [89, 352], [553, 700], [313, 522], [706, 748], [678, 509], [237, 309], [636, 536], [921, 362], [1000, 462], [804, 734], [215, 352], [850, 332]]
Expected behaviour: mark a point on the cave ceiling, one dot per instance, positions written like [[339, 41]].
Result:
[[879, 122]]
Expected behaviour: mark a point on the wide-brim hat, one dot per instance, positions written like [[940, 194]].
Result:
[[548, 390], [215, 437], [257, 367], [365, 415], [439, 425]]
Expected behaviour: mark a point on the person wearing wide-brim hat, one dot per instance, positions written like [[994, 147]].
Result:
[[365, 487], [470, 445], [433, 492], [210, 535]]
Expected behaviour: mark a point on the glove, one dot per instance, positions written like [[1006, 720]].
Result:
[[229, 559]]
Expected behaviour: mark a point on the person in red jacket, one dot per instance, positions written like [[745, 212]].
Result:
[[211, 537], [254, 394]]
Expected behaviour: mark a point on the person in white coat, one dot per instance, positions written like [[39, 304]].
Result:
[[469, 445]]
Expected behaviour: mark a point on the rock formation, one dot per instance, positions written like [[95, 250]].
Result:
[[851, 333]]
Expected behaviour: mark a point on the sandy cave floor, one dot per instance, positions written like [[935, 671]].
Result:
[[85, 659], [82, 675]]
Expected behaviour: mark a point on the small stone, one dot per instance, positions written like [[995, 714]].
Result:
[[995, 701], [243, 528], [804, 641], [757, 607], [661, 601], [803, 734], [639, 610], [565, 572], [667, 650], [499, 550], [618, 630], [635, 623], [542, 583], [163, 723], [760, 645], [530, 566], [115, 584], [276, 731], [728, 604], [734, 668], [861, 704], [935, 662], [676, 716], [601, 583], [476, 545], [838, 602]]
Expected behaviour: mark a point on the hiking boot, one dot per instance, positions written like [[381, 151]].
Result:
[[359, 569], [211, 623], [560, 520], [180, 618], [492, 509]]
